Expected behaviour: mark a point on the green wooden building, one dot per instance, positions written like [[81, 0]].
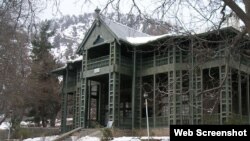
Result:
[[190, 79]]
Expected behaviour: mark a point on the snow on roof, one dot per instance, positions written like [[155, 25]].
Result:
[[122, 31], [130, 35], [61, 68], [75, 60], [144, 40]]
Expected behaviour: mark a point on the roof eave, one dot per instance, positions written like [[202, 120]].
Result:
[[112, 33], [78, 51]]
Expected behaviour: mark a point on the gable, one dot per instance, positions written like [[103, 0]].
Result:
[[98, 34]]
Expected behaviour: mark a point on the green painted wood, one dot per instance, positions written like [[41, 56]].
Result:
[[133, 88], [114, 87], [154, 94], [240, 94], [225, 94], [170, 63], [248, 98], [64, 105], [83, 94], [100, 31]]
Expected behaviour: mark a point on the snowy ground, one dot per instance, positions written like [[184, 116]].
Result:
[[87, 138], [4, 126]]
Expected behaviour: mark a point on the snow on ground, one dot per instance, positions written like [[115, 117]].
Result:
[[87, 138], [4, 126], [164, 138], [48, 138]]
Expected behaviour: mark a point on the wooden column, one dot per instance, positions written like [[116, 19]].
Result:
[[239, 93], [248, 98], [83, 93], [114, 85], [64, 103], [77, 100], [225, 94], [89, 102], [133, 89], [191, 86], [154, 88], [99, 103], [141, 98]]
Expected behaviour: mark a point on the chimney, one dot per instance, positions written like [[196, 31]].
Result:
[[97, 11], [97, 15]]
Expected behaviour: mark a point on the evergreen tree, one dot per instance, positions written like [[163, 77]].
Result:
[[45, 99]]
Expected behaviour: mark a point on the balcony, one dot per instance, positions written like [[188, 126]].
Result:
[[98, 62], [104, 61]]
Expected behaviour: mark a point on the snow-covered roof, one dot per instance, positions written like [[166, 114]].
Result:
[[145, 40], [130, 35], [122, 31], [61, 69], [75, 60]]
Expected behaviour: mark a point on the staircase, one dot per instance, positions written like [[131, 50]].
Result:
[[77, 133]]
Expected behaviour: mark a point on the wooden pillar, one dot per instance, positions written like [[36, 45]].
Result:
[[114, 85], [191, 86], [133, 89], [89, 102], [154, 101], [99, 103], [64, 103], [77, 100], [248, 99], [225, 94], [141, 98], [239, 93], [154, 94], [172, 88], [83, 93]]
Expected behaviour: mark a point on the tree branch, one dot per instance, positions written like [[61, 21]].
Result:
[[240, 13]]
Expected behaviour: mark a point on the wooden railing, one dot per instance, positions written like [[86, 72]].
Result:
[[126, 62], [104, 61], [98, 62]]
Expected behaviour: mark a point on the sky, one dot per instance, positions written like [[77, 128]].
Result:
[[77, 7], [68, 7], [185, 16]]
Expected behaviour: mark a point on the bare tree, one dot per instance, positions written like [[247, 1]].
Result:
[[14, 64], [17, 20]]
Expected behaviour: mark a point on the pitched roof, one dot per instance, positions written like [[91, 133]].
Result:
[[122, 31], [61, 70], [129, 35]]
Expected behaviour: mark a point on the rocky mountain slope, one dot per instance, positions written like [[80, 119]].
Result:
[[70, 31]]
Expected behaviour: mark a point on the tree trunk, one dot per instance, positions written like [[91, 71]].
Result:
[[244, 16], [53, 121], [44, 122], [247, 8]]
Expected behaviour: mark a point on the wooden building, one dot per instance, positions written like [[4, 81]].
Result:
[[190, 79]]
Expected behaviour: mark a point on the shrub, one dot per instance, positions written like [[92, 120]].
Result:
[[106, 134], [21, 133]]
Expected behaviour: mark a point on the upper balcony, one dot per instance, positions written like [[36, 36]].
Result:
[[98, 62], [101, 65]]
